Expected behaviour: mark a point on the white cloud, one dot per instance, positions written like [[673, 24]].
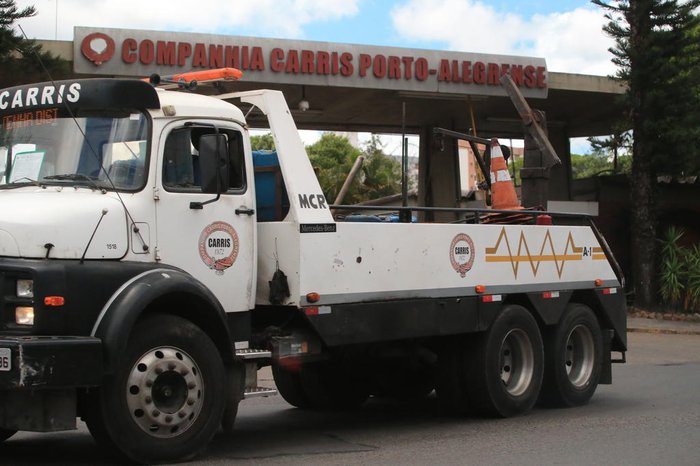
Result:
[[272, 18], [572, 41]]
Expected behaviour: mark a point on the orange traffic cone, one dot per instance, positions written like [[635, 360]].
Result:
[[503, 196]]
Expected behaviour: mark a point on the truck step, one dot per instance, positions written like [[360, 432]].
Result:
[[252, 353], [259, 391]]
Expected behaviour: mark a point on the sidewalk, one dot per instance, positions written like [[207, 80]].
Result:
[[640, 324]]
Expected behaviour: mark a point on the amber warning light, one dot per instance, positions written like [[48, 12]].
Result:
[[190, 79]]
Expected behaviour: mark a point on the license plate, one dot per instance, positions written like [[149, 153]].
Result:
[[5, 359]]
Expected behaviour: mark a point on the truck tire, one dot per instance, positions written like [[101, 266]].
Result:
[[288, 382], [327, 386], [166, 398], [573, 358], [5, 434], [505, 368]]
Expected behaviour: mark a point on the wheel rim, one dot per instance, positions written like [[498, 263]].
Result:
[[579, 358], [164, 392], [517, 362]]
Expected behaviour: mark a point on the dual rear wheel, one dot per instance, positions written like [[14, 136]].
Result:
[[505, 370]]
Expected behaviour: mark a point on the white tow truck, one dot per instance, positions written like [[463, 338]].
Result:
[[151, 263]]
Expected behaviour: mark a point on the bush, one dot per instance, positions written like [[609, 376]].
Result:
[[680, 272]]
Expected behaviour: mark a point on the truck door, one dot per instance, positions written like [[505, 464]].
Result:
[[215, 243]]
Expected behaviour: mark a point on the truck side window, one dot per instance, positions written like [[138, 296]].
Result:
[[181, 159]]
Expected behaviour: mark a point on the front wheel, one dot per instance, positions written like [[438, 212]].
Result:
[[574, 355], [5, 434], [167, 396]]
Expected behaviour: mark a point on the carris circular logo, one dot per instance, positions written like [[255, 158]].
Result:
[[98, 48], [218, 246], [462, 253]]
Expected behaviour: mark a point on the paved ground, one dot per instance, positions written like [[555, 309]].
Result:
[[638, 324]]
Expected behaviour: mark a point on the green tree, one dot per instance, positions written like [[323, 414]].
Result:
[[615, 144], [381, 172], [658, 58], [332, 157], [262, 142], [22, 60]]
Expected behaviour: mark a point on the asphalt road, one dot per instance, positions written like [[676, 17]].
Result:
[[649, 416]]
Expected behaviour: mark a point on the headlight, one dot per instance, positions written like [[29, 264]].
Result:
[[25, 288], [24, 315]]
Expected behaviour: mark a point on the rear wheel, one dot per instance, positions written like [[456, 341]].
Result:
[[166, 398], [5, 434], [496, 373], [507, 365], [574, 354], [288, 382], [319, 385]]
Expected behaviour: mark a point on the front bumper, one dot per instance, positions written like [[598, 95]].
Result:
[[44, 362]]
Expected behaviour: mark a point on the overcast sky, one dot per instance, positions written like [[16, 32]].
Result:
[[566, 33]]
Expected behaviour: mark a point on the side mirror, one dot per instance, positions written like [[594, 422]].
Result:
[[213, 163]]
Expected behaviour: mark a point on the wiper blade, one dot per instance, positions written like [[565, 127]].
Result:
[[75, 177], [71, 176], [24, 181]]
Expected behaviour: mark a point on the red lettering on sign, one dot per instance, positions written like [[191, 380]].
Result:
[[541, 77], [479, 73], [322, 63], [530, 80], [421, 69], [516, 74], [307, 62], [379, 66], [129, 46], [394, 67], [199, 59], [184, 50], [165, 53], [335, 64], [245, 60], [365, 62], [444, 73], [276, 60], [232, 57], [346, 66], [292, 62], [466, 71], [493, 74], [147, 52], [216, 56], [407, 65], [257, 62]]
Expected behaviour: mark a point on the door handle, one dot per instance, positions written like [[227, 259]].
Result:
[[243, 210]]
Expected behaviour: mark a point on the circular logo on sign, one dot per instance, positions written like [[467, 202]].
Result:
[[97, 47], [462, 253], [218, 246]]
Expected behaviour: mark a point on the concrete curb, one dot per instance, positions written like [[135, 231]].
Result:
[[663, 326], [664, 331]]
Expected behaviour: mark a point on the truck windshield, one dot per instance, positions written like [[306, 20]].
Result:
[[105, 150]]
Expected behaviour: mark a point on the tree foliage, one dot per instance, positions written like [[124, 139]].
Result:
[[658, 57], [262, 142], [333, 156], [22, 60]]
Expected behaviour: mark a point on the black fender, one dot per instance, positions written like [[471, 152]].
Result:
[[165, 290]]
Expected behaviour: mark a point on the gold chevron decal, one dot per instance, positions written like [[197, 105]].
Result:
[[547, 253]]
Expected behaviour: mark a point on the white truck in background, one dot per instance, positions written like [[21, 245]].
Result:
[[150, 264]]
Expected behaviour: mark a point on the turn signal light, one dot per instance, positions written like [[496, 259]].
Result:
[[598, 282], [55, 301], [480, 289], [313, 297]]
